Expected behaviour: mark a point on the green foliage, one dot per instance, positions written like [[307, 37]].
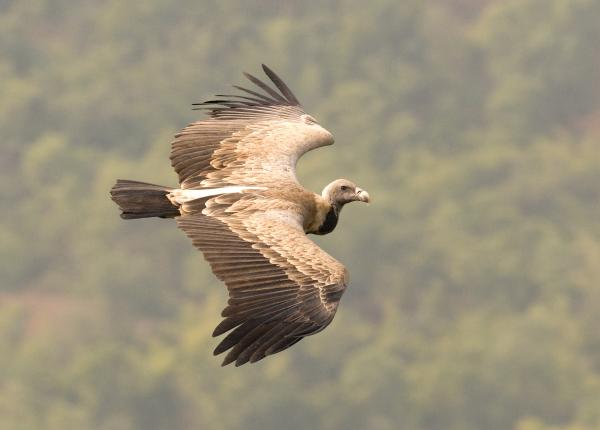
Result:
[[474, 301]]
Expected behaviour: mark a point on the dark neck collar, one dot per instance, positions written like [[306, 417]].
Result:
[[331, 220]]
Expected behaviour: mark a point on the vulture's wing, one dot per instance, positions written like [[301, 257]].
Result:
[[248, 139], [282, 286]]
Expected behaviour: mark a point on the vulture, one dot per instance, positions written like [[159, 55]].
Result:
[[241, 204]]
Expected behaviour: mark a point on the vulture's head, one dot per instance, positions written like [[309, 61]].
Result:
[[342, 191]]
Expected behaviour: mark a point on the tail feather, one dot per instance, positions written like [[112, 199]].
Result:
[[142, 200]]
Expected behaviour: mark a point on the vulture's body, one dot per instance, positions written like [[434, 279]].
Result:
[[241, 204]]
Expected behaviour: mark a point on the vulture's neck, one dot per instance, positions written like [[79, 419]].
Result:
[[326, 217], [330, 220]]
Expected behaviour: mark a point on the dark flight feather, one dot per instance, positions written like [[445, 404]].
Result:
[[285, 90]]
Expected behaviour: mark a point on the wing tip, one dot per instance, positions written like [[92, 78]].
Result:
[[227, 362], [266, 68], [281, 85], [277, 95]]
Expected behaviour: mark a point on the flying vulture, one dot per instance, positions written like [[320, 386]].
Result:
[[241, 204]]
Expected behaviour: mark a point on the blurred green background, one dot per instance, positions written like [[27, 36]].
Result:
[[475, 293]]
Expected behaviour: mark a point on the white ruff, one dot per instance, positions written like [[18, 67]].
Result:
[[180, 196]]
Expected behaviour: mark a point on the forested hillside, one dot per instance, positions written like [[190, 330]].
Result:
[[474, 301]]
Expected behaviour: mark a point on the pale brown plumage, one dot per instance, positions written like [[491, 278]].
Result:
[[242, 205]]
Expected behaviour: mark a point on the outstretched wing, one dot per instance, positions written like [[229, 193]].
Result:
[[282, 286], [248, 139]]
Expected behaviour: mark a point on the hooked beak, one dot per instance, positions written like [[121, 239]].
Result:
[[362, 195]]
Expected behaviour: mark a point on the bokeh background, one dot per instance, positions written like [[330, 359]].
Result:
[[475, 296]]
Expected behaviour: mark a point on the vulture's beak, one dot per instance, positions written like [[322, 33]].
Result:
[[362, 195]]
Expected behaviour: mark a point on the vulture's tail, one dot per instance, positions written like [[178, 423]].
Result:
[[142, 200]]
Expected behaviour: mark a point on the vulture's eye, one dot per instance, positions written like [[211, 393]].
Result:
[[344, 188]]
